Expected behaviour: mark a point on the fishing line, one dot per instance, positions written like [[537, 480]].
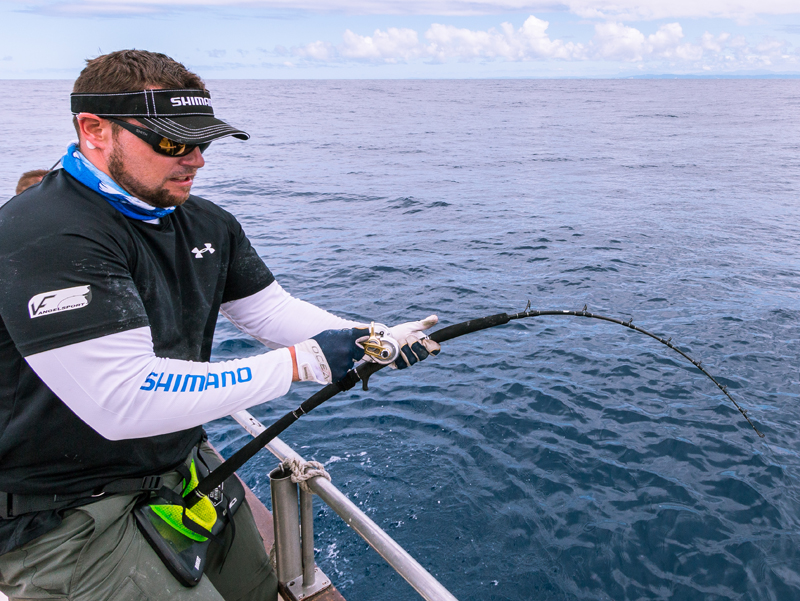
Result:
[[365, 370]]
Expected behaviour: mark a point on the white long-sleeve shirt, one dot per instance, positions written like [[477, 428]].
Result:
[[118, 385]]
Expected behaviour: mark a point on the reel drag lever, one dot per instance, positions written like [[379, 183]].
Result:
[[379, 348]]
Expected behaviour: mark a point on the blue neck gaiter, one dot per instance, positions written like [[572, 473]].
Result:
[[79, 167]]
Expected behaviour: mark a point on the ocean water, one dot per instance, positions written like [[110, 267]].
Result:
[[554, 458]]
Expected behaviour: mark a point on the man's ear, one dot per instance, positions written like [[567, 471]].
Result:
[[95, 132]]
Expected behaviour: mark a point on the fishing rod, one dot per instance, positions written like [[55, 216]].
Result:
[[363, 372]]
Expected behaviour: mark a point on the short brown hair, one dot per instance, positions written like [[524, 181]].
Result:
[[29, 178], [133, 71]]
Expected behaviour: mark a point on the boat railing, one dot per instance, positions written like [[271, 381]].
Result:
[[294, 538]]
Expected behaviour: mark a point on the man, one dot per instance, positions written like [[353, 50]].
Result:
[[29, 178], [113, 276]]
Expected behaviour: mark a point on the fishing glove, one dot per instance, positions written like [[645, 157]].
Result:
[[414, 345], [328, 356]]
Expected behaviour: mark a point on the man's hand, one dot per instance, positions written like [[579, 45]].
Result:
[[328, 356], [414, 345]]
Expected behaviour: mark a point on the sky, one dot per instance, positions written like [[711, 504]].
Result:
[[373, 39]]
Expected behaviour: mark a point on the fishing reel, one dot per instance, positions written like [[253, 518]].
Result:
[[379, 346]]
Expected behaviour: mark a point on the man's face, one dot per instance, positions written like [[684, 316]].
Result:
[[158, 180]]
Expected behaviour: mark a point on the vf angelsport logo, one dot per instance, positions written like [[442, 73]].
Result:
[[57, 301]]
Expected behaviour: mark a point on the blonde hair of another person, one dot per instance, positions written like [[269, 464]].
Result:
[[29, 178]]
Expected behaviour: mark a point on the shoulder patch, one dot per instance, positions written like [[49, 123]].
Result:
[[56, 301]]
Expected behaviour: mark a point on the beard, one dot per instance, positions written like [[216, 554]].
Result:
[[156, 196]]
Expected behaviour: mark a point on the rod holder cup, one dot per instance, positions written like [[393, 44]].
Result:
[[286, 521]]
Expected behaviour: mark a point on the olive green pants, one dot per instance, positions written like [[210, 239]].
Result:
[[98, 554]]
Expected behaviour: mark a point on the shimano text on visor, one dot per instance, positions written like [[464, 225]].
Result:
[[147, 103]]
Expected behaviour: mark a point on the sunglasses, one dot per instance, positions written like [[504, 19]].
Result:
[[158, 142]]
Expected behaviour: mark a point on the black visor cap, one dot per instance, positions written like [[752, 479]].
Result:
[[185, 116]]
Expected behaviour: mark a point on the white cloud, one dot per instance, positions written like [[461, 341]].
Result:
[[645, 10], [445, 42], [771, 45], [92, 8], [665, 40], [391, 45], [738, 42], [527, 43], [319, 51], [612, 41], [615, 41], [618, 10], [714, 43]]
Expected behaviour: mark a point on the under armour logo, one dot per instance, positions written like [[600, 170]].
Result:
[[198, 253]]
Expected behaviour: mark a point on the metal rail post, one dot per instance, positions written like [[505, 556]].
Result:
[[297, 573], [307, 536], [286, 521]]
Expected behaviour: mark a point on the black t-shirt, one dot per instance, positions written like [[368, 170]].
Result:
[[72, 268]]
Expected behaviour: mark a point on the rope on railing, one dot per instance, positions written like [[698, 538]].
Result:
[[304, 470]]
